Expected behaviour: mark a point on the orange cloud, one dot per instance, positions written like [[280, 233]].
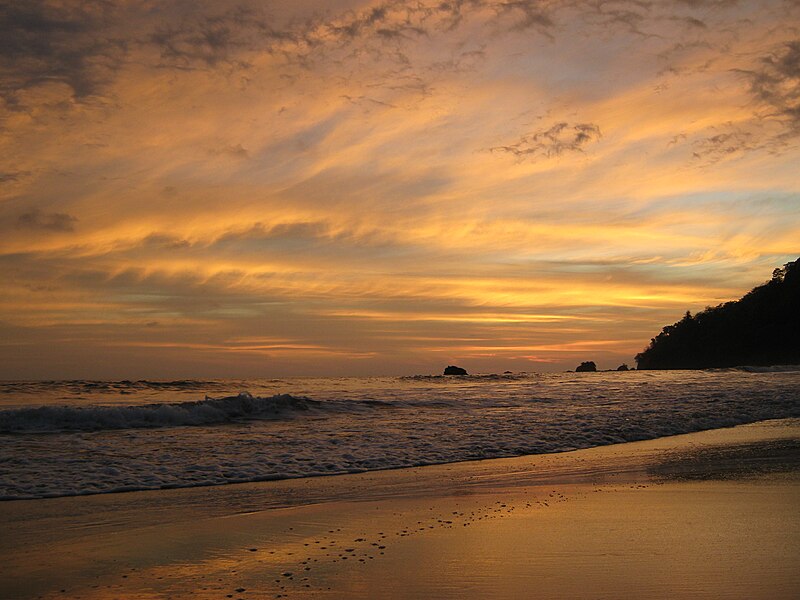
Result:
[[347, 183]]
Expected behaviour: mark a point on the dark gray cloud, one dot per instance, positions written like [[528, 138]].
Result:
[[776, 85], [553, 141], [775, 90], [257, 235], [726, 144], [73, 43], [163, 241], [68, 42], [630, 15], [13, 176], [207, 41], [44, 42], [36, 219], [692, 22], [708, 3], [261, 231], [376, 20], [462, 62], [526, 15], [237, 151]]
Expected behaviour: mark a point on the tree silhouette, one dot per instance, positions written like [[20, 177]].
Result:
[[761, 328]]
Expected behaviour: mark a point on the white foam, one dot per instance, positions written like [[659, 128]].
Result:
[[413, 423]]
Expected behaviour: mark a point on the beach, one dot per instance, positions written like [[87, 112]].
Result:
[[710, 514], [399, 299]]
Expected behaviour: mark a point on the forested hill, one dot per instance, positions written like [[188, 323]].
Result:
[[761, 328]]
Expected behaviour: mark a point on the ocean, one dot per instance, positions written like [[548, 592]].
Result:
[[65, 438]]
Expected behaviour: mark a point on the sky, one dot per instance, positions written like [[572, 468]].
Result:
[[280, 188]]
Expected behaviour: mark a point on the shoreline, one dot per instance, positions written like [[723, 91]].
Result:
[[355, 426], [174, 543], [364, 472]]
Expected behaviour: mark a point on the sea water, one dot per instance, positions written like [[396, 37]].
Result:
[[60, 438]]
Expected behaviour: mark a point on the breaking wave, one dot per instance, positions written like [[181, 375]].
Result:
[[78, 443], [771, 369], [211, 411], [125, 386], [479, 377]]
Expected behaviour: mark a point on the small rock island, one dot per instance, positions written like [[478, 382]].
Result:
[[453, 370], [586, 367]]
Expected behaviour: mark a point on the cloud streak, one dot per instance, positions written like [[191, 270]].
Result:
[[553, 141], [776, 85], [36, 219], [383, 186]]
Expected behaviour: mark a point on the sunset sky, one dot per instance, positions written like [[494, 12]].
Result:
[[241, 189]]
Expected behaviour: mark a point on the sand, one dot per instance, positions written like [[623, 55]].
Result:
[[706, 515]]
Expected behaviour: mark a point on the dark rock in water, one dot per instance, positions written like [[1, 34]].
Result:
[[623, 367], [508, 372], [585, 367], [453, 370]]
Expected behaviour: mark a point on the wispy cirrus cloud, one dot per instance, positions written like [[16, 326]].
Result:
[[36, 219], [553, 141], [776, 85], [319, 177]]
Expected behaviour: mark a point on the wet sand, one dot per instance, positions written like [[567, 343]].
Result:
[[706, 515]]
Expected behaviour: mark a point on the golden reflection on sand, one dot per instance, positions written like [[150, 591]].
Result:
[[608, 522]]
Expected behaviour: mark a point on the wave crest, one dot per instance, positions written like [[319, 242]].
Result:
[[477, 377], [757, 369], [211, 411]]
